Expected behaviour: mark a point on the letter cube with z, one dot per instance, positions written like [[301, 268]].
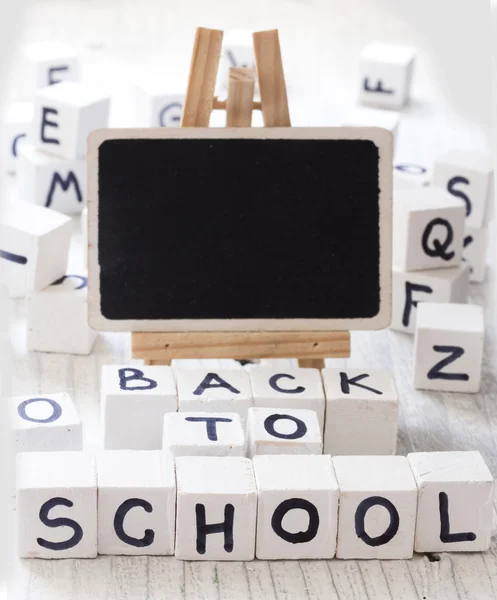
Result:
[[134, 402]]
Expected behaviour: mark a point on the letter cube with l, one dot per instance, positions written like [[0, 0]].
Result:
[[448, 352], [156, 107], [136, 502], [216, 508], [65, 115], [298, 507], [377, 507], [16, 131], [134, 402], [56, 505], [454, 501], [47, 63]]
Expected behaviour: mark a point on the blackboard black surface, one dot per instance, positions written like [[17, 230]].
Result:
[[246, 229]]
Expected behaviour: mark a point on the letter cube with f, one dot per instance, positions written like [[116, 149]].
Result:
[[47, 63]]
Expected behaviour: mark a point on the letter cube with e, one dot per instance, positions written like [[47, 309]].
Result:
[[16, 131], [65, 115], [156, 107], [42, 423], [47, 63], [134, 402], [298, 507], [408, 176], [57, 317], [385, 72], [454, 501], [203, 434], [136, 502], [362, 410], [216, 508], [448, 351], [56, 505], [475, 252], [429, 229], [377, 507], [284, 431]]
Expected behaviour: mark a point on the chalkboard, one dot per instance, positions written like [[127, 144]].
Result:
[[240, 229]]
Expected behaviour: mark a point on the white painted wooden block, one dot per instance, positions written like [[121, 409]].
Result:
[[65, 115], [84, 235], [16, 131], [216, 508], [385, 72], [56, 505], [288, 387], [448, 351], [428, 229], [432, 285], [136, 502], [134, 400], [362, 409], [47, 63], [34, 246], [216, 390], [44, 423], [469, 177], [50, 181], [237, 51], [283, 431], [410, 175], [373, 117], [475, 252], [156, 106], [203, 434], [297, 510], [454, 501], [377, 508]]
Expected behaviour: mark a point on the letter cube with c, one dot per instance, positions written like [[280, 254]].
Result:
[[16, 131]]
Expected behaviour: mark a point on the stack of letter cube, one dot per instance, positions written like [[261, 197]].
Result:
[[231, 465]]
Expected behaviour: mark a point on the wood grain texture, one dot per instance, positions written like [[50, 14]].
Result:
[[239, 105]]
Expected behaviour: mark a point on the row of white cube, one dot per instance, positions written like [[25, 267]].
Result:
[[72, 504]]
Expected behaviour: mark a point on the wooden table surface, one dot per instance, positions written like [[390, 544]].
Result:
[[123, 40]]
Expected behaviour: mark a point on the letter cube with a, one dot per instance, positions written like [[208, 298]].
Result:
[[57, 317], [385, 72], [407, 176], [56, 505], [134, 401], [136, 502], [283, 431], [156, 107], [362, 410], [448, 352], [455, 495], [34, 246], [65, 115], [298, 507], [428, 230], [216, 508], [203, 434], [16, 131], [475, 252], [377, 507], [47, 63]]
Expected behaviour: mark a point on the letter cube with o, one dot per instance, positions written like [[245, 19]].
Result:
[[216, 508], [377, 508], [56, 505], [298, 507], [16, 131], [448, 351], [47, 63], [134, 402], [136, 502], [454, 503]]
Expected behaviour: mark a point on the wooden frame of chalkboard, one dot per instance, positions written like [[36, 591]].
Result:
[[141, 211]]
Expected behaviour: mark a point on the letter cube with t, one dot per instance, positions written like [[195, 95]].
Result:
[[156, 107], [475, 252], [136, 502], [298, 507], [65, 115], [448, 351], [284, 431], [385, 72], [56, 505], [429, 229], [41, 423], [134, 402], [17, 122], [362, 410], [454, 502], [34, 246], [377, 508], [47, 63], [57, 317], [203, 434], [216, 508]]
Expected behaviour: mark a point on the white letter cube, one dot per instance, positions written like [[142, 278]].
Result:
[[47, 63], [16, 131], [475, 252], [156, 107], [237, 51], [410, 176]]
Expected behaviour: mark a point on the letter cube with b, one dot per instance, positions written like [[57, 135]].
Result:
[[216, 508], [448, 351], [134, 401], [156, 107], [16, 131], [47, 63]]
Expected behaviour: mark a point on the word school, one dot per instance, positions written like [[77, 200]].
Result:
[[73, 504]]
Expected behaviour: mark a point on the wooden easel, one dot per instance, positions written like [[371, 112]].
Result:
[[310, 346]]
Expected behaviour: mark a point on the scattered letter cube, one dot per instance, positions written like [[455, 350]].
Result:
[[409, 175], [47, 63], [16, 131], [475, 252], [237, 51], [155, 107]]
